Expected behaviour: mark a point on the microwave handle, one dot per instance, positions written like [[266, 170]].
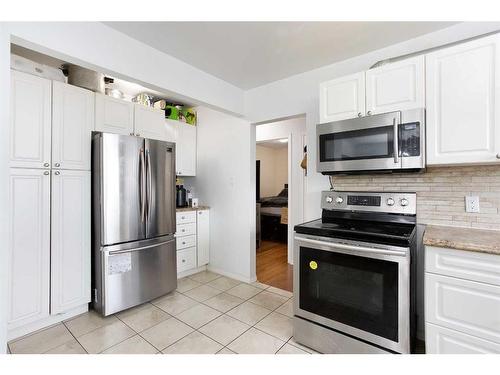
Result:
[[395, 124]]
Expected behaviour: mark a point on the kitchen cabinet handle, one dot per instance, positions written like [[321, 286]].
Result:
[[46, 164], [131, 133], [57, 173], [184, 261], [369, 113], [46, 173], [57, 164], [137, 134], [498, 155], [360, 114]]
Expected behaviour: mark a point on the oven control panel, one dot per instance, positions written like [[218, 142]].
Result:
[[390, 202]]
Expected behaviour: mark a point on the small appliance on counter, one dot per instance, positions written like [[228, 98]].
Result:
[[181, 196]]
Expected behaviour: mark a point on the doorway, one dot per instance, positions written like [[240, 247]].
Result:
[[280, 179]]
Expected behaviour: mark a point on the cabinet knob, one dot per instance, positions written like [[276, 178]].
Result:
[[184, 261], [57, 173], [46, 164], [57, 164], [360, 114], [137, 134], [131, 133], [369, 113], [498, 155], [46, 173]]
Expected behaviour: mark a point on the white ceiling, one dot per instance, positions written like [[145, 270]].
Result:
[[250, 54]]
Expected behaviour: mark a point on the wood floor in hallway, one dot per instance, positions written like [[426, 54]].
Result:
[[272, 265]]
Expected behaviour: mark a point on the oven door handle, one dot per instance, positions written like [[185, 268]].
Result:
[[354, 248]]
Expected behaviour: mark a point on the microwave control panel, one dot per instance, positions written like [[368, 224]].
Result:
[[409, 139]]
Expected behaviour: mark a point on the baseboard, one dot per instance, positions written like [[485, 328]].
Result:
[[51, 320], [192, 271], [231, 275]]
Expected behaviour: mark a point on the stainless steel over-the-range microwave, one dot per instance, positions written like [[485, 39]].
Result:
[[387, 142]]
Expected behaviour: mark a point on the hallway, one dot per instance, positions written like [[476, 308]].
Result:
[[272, 266]]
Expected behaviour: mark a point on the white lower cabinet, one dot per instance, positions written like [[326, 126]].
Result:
[[49, 258], [192, 240], [203, 234], [186, 259], [70, 240], [29, 254], [462, 312], [448, 341]]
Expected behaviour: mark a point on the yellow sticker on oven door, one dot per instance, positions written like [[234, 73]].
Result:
[[313, 264]]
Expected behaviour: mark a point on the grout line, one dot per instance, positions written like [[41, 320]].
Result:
[[71, 333]]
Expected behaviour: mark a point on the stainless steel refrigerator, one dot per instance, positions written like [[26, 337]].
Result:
[[133, 213]]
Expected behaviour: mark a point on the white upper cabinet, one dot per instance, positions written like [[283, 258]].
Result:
[[70, 240], [149, 123], [185, 150], [29, 264], [342, 98], [171, 130], [463, 103], [396, 86], [203, 236], [30, 121], [72, 125], [114, 115]]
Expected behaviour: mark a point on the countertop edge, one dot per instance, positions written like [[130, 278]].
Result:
[[438, 236]]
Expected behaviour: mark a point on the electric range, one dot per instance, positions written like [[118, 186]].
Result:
[[355, 274]]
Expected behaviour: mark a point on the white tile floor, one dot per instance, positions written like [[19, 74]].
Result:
[[207, 314]]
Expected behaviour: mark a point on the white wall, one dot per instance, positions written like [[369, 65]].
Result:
[[225, 181], [4, 182], [295, 130], [99, 47], [273, 169], [299, 94], [281, 169]]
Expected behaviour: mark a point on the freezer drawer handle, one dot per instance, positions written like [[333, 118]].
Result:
[[138, 248]]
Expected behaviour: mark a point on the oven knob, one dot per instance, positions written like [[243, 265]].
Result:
[[329, 199], [339, 200], [390, 202], [404, 202]]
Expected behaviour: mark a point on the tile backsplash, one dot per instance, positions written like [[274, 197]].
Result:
[[441, 193]]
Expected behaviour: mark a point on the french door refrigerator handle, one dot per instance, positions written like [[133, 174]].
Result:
[[116, 252], [148, 183], [353, 248], [142, 182]]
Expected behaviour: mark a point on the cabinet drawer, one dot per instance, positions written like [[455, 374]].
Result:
[[186, 259], [466, 306], [440, 340], [186, 241], [186, 230], [467, 265], [186, 217]]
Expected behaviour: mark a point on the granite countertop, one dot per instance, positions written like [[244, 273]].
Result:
[[480, 240], [184, 209]]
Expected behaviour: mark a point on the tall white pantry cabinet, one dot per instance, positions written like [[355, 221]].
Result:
[[49, 259]]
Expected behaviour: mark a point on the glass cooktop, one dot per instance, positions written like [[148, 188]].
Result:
[[397, 234]]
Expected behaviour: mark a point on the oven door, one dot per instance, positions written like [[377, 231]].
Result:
[[366, 143], [354, 288]]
